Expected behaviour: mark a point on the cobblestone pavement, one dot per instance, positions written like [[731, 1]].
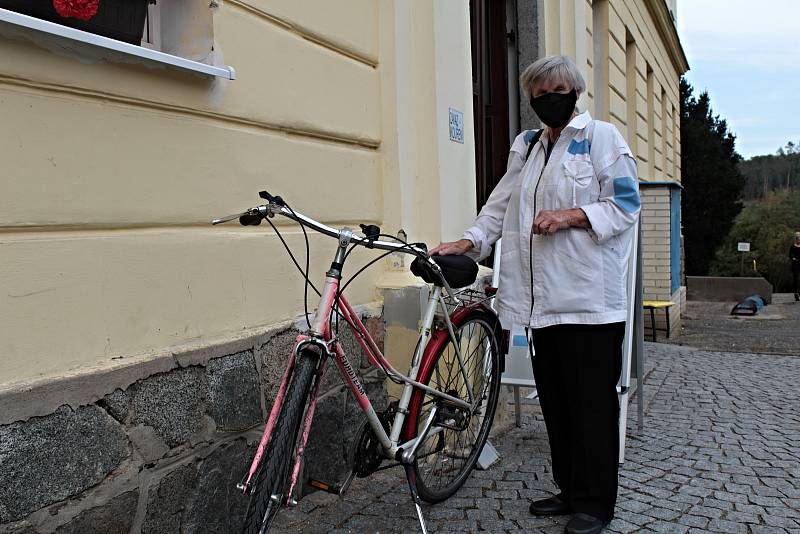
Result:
[[720, 452]]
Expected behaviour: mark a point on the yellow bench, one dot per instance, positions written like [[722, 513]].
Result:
[[653, 305]]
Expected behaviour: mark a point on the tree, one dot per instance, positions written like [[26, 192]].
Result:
[[764, 174], [768, 225], [711, 179]]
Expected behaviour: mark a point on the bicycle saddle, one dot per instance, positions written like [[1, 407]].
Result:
[[459, 271]]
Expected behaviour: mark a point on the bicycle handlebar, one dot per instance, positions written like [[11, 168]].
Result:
[[276, 206]]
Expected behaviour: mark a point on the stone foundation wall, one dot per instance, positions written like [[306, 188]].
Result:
[[133, 450]]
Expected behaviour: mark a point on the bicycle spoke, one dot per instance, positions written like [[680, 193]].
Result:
[[444, 459]]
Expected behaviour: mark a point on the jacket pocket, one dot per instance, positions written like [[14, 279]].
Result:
[[580, 175], [573, 276], [577, 246]]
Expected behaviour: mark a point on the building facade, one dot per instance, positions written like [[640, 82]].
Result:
[[141, 346]]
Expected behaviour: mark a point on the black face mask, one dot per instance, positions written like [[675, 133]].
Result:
[[555, 109]]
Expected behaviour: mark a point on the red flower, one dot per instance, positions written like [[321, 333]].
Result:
[[79, 9]]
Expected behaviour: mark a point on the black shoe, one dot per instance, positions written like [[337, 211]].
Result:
[[796, 297], [550, 506], [584, 524]]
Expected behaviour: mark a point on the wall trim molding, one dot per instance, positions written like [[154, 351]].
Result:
[[306, 34], [175, 109], [19, 401], [668, 33]]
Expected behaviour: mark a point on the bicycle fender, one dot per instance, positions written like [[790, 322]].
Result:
[[437, 340]]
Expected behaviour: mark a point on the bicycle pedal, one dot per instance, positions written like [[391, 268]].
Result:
[[334, 489]]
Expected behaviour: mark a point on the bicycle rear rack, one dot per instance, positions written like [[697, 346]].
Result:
[[466, 297]]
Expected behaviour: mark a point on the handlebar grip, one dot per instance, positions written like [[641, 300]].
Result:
[[250, 220]]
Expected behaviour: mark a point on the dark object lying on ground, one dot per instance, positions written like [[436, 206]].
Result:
[[749, 306]]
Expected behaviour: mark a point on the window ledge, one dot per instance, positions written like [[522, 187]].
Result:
[[18, 20]]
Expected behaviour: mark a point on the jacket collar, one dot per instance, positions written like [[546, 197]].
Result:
[[580, 121]]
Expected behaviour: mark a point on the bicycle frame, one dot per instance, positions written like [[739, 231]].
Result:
[[321, 338]]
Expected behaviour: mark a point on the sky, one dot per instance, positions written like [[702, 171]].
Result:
[[746, 54]]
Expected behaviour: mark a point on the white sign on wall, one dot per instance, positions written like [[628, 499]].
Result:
[[456, 126], [744, 247]]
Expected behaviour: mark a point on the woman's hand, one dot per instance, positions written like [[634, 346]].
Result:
[[550, 222], [459, 247]]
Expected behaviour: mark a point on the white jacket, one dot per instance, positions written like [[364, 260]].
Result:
[[578, 275]]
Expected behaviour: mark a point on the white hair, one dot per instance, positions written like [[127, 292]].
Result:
[[555, 69]]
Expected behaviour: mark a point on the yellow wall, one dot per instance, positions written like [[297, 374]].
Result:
[[628, 67], [113, 170]]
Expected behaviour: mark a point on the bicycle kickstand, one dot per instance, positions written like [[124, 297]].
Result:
[[415, 496]]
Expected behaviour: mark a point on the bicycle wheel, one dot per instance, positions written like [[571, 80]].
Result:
[[272, 477], [449, 453]]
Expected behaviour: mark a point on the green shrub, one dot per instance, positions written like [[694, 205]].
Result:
[[768, 225]]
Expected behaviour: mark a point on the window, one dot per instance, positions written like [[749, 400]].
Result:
[[631, 77], [151, 31], [170, 21], [151, 36]]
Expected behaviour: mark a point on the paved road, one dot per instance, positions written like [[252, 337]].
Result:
[[720, 453], [776, 329]]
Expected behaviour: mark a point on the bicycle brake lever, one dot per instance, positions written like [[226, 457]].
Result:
[[272, 199], [227, 218]]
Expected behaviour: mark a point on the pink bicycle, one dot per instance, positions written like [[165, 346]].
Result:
[[438, 427]]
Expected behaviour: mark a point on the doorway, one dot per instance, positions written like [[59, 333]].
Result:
[[490, 99]]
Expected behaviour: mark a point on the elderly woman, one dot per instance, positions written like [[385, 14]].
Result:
[[566, 209]]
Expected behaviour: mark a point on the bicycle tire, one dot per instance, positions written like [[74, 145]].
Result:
[[426, 463], [273, 472]]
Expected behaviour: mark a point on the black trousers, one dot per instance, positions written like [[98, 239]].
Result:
[[796, 278], [576, 368]]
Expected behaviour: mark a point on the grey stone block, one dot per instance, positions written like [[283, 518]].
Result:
[[116, 403], [377, 329], [720, 525], [47, 459], [333, 432], [19, 529], [147, 443], [217, 506], [324, 456], [234, 392], [274, 356], [331, 379], [166, 501], [350, 346], [337, 417], [376, 389], [693, 521], [172, 403], [352, 350], [114, 517]]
